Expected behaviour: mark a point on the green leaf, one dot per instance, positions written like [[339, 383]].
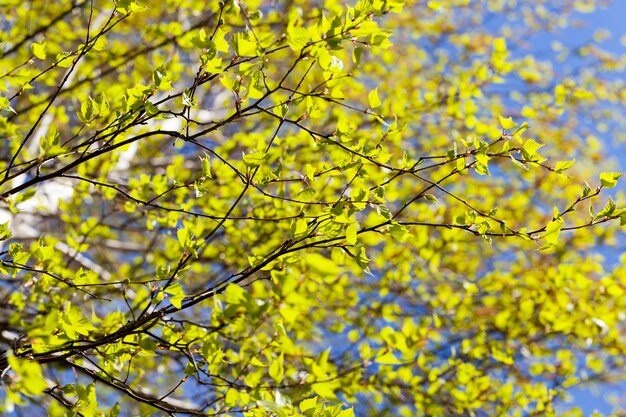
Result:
[[206, 165], [608, 210], [5, 233], [39, 50], [308, 404], [202, 40], [518, 163], [482, 162], [87, 396], [272, 406], [6, 105], [348, 412], [184, 237], [219, 40], [243, 45], [307, 193], [530, 151], [553, 230], [564, 165], [276, 369], [87, 111], [399, 232], [151, 109], [518, 132], [100, 44], [435, 5], [299, 229], [188, 99], [234, 294], [73, 323], [321, 265], [351, 233], [326, 390], [282, 110], [609, 179], [29, 375], [231, 398], [357, 53], [63, 60], [506, 123], [384, 212], [253, 160], [431, 198], [297, 37], [373, 98], [176, 294], [128, 6]]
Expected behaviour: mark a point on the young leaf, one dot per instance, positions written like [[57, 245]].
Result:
[[39, 50], [299, 229], [253, 160], [373, 98], [563, 165], [608, 210], [553, 230], [507, 123], [609, 179], [351, 233], [175, 294]]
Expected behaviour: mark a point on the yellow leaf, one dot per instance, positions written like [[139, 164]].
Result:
[[374, 99], [39, 50], [499, 45], [507, 123], [234, 294], [351, 232], [553, 230]]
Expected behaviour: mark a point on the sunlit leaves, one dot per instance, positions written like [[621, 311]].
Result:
[[374, 101], [609, 179], [234, 294], [297, 37], [307, 193], [482, 161], [563, 166], [128, 6], [73, 324], [530, 151], [87, 403], [276, 368], [175, 294], [6, 105], [275, 202], [499, 45], [351, 233], [187, 99], [608, 210], [243, 45], [161, 78], [216, 42], [206, 166], [39, 50], [507, 123], [253, 160], [299, 228], [5, 233], [553, 228]]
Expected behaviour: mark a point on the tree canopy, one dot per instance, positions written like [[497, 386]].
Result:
[[307, 208]]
